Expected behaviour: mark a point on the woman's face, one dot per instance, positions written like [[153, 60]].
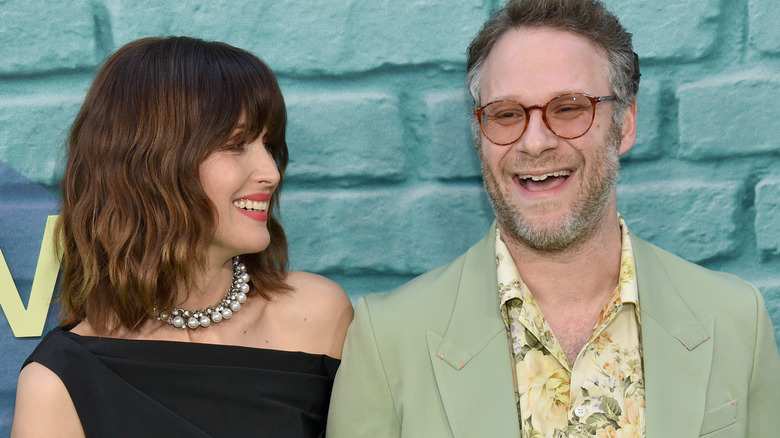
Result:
[[239, 180]]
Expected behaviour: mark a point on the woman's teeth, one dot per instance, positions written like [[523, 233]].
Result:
[[247, 204]]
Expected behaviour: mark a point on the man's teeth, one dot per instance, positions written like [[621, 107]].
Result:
[[247, 204], [546, 175]]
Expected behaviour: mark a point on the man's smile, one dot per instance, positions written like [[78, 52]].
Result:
[[543, 181]]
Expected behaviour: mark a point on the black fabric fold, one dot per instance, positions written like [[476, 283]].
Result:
[[178, 389]]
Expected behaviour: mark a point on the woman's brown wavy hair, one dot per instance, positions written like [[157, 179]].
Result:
[[135, 221]]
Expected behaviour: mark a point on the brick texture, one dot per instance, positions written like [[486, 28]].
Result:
[[772, 297], [763, 17], [711, 128], [320, 147], [669, 29], [693, 217], [42, 36], [768, 215], [384, 182], [650, 122], [315, 36], [445, 130], [33, 127]]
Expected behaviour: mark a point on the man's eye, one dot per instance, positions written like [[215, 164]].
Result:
[[569, 110], [508, 116]]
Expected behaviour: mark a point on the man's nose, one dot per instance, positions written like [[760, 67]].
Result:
[[537, 137]]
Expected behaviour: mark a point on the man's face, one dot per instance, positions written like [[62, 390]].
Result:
[[535, 207]]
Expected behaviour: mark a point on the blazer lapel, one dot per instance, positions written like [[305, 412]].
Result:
[[471, 361], [677, 350]]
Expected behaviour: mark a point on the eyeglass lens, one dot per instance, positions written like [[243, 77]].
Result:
[[568, 116]]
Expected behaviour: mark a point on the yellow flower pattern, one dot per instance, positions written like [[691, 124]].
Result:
[[602, 394]]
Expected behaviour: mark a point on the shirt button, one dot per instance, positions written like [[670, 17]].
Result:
[[580, 411]]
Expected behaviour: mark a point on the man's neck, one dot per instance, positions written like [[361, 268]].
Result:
[[572, 286], [585, 272]]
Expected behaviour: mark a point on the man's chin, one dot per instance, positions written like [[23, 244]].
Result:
[[542, 235]]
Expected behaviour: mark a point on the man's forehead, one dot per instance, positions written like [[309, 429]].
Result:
[[543, 61]]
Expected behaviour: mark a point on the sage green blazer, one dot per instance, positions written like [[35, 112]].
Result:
[[431, 359]]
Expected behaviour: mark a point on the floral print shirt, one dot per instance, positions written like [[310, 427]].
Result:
[[602, 394]]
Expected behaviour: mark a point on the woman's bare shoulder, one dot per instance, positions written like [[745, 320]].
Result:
[[43, 405], [318, 288], [326, 309]]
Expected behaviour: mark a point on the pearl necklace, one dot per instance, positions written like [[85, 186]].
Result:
[[224, 309]]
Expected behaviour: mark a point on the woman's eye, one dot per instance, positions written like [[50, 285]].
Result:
[[235, 144]]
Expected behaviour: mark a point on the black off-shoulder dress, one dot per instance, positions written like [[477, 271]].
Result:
[[129, 388]]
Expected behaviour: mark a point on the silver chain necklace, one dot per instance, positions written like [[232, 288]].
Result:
[[224, 309]]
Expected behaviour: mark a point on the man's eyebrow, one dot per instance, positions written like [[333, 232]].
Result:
[[516, 98]]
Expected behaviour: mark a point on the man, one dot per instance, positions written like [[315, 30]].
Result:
[[560, 322]]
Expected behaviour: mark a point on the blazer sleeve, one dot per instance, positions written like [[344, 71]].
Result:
[[362, 404], [764, 392]]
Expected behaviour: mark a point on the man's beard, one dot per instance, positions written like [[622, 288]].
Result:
[[587, 209]]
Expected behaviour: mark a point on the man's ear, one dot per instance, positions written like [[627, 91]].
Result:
[[628, 135]]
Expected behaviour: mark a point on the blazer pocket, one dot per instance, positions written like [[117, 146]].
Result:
[[719, 418]]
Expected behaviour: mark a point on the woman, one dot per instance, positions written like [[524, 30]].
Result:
[[180, 318]]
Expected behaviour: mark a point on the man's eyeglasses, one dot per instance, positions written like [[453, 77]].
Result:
[[568, 116]]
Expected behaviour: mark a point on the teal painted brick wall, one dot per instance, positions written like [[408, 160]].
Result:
[[383, 182]]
